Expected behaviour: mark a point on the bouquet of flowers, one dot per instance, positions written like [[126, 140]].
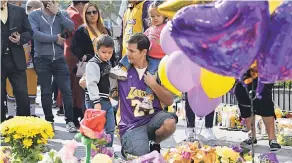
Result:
[[51, 157], [99, 145], [194, 152], [5, 153], [26, 137]]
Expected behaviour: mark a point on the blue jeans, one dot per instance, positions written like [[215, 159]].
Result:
[[110, 117], [45, 69], [152, 67]]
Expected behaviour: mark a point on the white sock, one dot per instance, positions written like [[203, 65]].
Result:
[[32, 109], [11, 106]]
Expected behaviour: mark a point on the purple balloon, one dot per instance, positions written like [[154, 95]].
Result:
[[200, 103], [168, 45], [223, 37], [182, 73], [275, 63]]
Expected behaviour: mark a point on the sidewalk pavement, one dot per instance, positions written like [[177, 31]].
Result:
[[224, 137]]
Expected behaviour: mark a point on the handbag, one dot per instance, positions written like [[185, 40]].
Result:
[[80, 69]]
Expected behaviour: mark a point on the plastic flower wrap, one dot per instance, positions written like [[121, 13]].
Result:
[[26, 136], [268, 158], [153, 157], [5, 154], [51, 157], [67, 152], [98, 145], [284, 136]]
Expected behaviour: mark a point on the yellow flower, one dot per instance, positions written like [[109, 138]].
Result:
[[17, 136], [7, 139], [27, 143]]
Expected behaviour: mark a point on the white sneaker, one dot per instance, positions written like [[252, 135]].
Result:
[[209, 134], [118, 73], [146, 104]]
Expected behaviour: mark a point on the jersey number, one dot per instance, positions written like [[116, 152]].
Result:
[[137, 112]]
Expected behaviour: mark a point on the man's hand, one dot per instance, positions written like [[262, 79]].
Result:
[[150, 80], [97, 106], [84, 58], [15, 38], [53, 7], [60, 40], [115, 94]]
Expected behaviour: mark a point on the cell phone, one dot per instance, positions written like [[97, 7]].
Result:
[[13, 30]]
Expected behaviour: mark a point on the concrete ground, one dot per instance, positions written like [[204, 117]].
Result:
[[224, 137]]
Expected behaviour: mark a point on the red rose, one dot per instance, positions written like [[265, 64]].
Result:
[[92, 123]]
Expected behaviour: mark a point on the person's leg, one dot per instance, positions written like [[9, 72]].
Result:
[[55, 89], [43, 69], [18, 81], [62, 76], [11, 102], [135, 142], [3, 93], [245, 113], [32, 89], [209, 119], [161, 127], [110, 119], [265, 108], [190, 115]]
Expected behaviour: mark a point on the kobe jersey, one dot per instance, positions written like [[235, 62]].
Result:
[[131, 93]]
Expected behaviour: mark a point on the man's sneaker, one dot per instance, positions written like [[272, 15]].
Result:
[[71, 127], [209, 134], [146, 104], [155, 147], [53, 126], [60, 112], [9, 117], [118, 73], [274, 145], [249, 141]]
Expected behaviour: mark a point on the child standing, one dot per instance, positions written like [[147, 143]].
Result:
[[98, 82], [155, 53]]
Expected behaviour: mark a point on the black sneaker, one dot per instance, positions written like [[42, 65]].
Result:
[[9, 117], [60, 112], [274, 145], [155, 147], [249, 141]]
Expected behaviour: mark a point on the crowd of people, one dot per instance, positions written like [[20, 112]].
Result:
[[46, 46]]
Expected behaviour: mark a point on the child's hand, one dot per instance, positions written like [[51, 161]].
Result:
[[97, 106], [115, 94]]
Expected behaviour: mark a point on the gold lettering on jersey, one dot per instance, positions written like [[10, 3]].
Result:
[[136, 93]]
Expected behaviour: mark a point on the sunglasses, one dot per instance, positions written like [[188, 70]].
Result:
[[91, 13]]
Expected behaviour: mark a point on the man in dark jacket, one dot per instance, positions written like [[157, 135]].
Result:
[[16, 31]]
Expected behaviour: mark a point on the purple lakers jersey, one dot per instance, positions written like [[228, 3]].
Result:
[[131, 93]]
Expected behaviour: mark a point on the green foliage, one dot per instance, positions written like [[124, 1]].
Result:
[[287, 84]]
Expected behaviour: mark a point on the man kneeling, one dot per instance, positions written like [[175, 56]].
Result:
[[137, 127]]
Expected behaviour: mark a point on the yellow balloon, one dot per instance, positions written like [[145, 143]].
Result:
[[163, 78], [215, 85], [273, 4], [170, 7]]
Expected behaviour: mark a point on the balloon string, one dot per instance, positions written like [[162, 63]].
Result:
[[250, 93]]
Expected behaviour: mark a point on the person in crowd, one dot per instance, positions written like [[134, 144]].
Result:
[[135, 20], [156, 53], [16, 31], [30, 72], [49, 26], [191, 123], [84, 38], [263, 107], [98, 81], [137, 127], [16, 3], [75, 11]]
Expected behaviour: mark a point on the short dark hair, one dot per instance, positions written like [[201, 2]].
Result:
[[104, 40], [141, 40], [77, 2]]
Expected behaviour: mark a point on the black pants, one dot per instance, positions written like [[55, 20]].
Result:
[[191, 117], [55, 89], [18, 82]]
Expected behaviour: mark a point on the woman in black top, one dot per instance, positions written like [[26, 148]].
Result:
[[263, 107]]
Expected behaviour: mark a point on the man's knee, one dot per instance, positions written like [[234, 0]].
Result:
[[169, 126]]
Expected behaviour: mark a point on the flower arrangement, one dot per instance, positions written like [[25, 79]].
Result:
[[51, 157], [5, 153], [26, 137], [193, 152], [91, 130]]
